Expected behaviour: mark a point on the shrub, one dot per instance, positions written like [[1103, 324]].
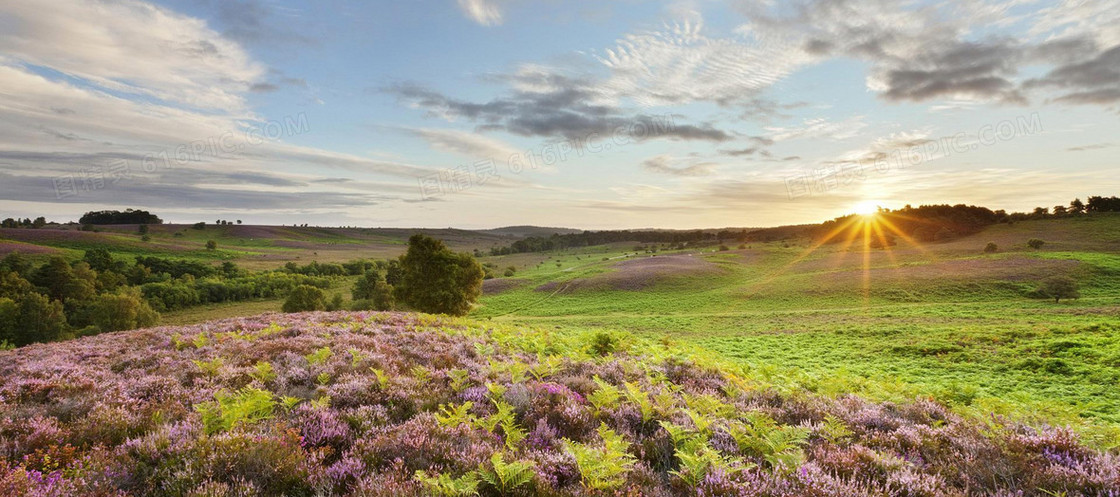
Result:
[[991, 248], [305, 298], [124, 311], [211, 245], [377, 294], [1035, 243], [437, 280], [1058, 288], [40, 320]]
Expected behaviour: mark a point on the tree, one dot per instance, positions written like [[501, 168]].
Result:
[[991, 248], [9, 320], [98, 259], [129, 216], [238, 221], [1077, 207], [16, 263], [143, 230], [1059, 287], [1035, 243], [373, 292], [436, 280], [124, 311], [305, 298], [211, 245], [39, 222], [13, 286], [40, 320]]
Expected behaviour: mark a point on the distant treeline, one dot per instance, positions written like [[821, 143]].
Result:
[[924, 223], [128, 216], [61, 299], [931, 223]]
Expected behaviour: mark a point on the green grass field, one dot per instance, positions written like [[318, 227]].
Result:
[[941, 319], [944, 318]]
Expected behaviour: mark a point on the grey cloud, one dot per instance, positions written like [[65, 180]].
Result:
[[142, 193], [1095, 146], [1092, 81], [971, 69], [263, 87], [565, 111], [663, 164]]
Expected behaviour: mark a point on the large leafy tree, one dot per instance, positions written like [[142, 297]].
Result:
[[437, 280]]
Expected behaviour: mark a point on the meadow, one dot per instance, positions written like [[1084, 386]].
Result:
[[943, 320]]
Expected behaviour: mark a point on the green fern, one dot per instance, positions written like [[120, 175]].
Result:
[[209, 368], [697, 460], [263, 372], [382, 379], [640, 399], [445, 486], [200, 340], [602, 468], [319, 356], [547, 365], [289, 403], [458, 379], [356, 357], [421, 374], [229, 410], [606, 396], [496, 391], [455, 415], [506, 477], [321, 402]]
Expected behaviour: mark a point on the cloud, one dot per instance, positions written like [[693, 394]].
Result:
[[665, 164], [1092, 81], [1095, 146], [923, 52], [253, 21], [131, 47], [471, 145], [554, 106], [680, 64], [484, 12]]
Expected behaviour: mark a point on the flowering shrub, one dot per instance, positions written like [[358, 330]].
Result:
[[392, 404]]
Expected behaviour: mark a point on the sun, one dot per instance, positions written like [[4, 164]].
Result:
[[866, 208]]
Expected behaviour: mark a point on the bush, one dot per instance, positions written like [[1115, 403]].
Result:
[[305, 298], [374, 292], [1058, 288], [436, 280], [124, 311], [40, 320], [211, 245], [1035, 243], [991, 248]]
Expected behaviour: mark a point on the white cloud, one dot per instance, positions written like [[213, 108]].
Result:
[[484, 12], [472, 145], [131, 47], [679, 64]]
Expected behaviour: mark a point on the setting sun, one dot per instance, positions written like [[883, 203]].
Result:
[[866, 208]]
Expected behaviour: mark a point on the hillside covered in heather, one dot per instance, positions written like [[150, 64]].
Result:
[[390, 404]]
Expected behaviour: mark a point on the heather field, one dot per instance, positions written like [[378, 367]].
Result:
[[399, 405]]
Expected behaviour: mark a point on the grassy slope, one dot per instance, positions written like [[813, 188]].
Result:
[[944, 317]]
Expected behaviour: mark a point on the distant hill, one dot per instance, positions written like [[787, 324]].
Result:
[[527, 231]]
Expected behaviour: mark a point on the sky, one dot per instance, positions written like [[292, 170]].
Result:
[[588, 114]]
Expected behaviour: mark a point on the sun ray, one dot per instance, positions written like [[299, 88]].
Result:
[[770, 277]]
